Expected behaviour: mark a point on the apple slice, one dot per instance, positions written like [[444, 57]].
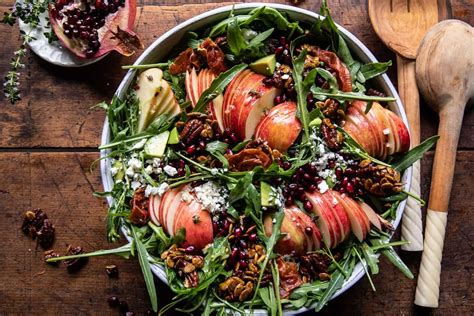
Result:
[[190, 85], [371, 119], [301, 233], [373, 217], [355, 214], [339, 214], [153, 208], [240, 100], [383, 120], [400, 131], [197, 222], [280, 127], [169, 204], [233, 87], [361, 129], [326, 221]]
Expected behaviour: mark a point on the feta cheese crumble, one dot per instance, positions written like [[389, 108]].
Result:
[[171, 171], [212, 196], [323, 186]]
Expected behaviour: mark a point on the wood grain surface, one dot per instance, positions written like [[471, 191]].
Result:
[[47, 144]]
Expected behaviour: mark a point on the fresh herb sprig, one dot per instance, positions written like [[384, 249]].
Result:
[[29, 11]]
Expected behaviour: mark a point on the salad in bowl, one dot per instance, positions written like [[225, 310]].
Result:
[[256, 158]]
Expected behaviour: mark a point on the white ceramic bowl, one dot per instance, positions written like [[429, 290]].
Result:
[[161, 48]]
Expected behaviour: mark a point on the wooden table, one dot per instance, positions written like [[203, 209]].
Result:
[[48, 142]]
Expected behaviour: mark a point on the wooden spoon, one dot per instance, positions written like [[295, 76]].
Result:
[[445, 76], [401, 24]]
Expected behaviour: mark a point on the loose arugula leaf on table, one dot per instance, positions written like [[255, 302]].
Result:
[[414, 154], [217, 86]]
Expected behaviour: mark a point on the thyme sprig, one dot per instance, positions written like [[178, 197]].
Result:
[[29, 12]]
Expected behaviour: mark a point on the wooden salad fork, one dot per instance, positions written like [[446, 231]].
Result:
[[401, 25]]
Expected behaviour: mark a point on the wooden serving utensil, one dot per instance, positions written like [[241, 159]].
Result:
[[401, 25], [445, 77]]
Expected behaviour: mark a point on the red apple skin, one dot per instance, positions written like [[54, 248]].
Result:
[[360, 224], [174, 214], [327, 222], [197, 222], [339, 213], [370, 129], [402, 133], [373, 140], [297, 240], [280, 127], [373, 217], [243, 103], [237, 87]]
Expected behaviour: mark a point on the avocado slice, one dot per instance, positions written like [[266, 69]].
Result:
[[155, 146], [120, 173], [265, 66], [174, 137], [265, 194]]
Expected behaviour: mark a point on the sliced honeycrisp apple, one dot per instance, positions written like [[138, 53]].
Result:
[[373, 217]]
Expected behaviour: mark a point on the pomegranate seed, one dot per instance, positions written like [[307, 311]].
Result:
[[234, 255], [277, 99], [278, 50], [242, 264], [238, 232], [308, 206], [312, 188], [252, 237], [243, 244], [190, 249], [350, 187], [308, 230], [345, 181], [286, 165], [191, 149]]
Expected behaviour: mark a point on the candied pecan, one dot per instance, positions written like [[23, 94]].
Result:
[[315, 265], [33, 221], [289, 276], [331, 109], [192, 129], [380, 180], [46, 234], [214, 56], [332, 61], [186, 60], [74, 265], [139, 208], [39, 227], [184, 263], [332, 136]]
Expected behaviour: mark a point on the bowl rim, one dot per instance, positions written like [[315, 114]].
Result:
[[105, 166]]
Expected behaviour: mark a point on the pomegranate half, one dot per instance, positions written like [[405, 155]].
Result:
[[92, 28]]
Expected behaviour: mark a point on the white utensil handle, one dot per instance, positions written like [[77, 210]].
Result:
[[412, 227], [427, 289]]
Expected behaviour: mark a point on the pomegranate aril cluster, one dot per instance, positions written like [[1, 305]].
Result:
[[241, 239], [84, 24], [282, 51], [349, 179]]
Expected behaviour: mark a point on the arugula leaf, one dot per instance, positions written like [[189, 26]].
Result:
[[393, 257], [270, 243], [146, 268], [260, 38], [268, 297], [216, 147], [370, 257], [239, 191], [340, 95], [221, 27], [330, 79], [372, 70], [337, 279], [302, 112], [235, 39], [217, 86], [414, 154]]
